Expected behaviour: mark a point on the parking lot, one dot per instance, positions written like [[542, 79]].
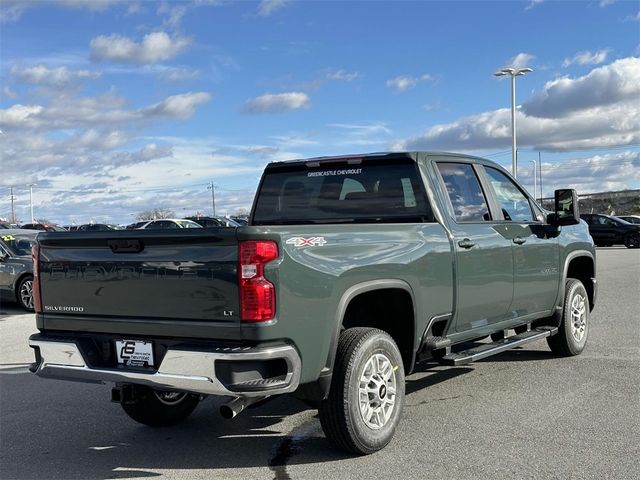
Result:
[[521, 414]]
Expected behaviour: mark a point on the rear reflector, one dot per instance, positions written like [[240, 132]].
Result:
[[257, 294]]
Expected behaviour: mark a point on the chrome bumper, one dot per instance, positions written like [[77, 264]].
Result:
[[190, 371]]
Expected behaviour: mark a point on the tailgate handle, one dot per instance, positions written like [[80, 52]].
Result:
[[125, 246]]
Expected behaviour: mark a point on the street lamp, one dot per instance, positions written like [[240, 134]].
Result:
[[535, 177], [513, 73], [31, 185]]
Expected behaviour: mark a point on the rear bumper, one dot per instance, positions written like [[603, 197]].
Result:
[[185, 370]]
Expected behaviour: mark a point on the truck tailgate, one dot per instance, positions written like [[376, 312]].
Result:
[[186, 274]]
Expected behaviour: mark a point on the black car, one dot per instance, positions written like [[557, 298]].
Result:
[[98, 227], [45, 227], [16, 266], [607, 230]]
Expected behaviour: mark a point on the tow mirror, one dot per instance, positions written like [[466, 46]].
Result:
[[566, 208]]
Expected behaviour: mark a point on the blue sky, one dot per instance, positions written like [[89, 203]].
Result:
[[113, 108]]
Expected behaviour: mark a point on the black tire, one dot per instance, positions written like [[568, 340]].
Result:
[[360, 350], [632, 240], [159, 408], [24, 293], [574, 327]]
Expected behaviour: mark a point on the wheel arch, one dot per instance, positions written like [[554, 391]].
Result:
[[581, 265], [381, 289]]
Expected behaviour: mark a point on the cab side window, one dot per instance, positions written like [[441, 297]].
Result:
[[514, 204], [463, 187]]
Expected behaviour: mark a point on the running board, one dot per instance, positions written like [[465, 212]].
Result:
[[486, 350]]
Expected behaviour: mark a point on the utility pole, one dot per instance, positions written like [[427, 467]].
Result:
[[31, 185], [211, 187], [13, 210]]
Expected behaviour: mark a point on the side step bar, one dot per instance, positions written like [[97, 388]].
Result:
[[486, 350]]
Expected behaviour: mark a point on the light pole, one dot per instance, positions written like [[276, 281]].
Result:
[[31, 185], [535, 176], [513, 73], [211, 187]]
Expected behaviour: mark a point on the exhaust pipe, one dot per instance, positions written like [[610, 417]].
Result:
[[234, 407]]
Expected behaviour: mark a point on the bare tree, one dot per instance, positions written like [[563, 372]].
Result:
[[155, 214], [242, 212]]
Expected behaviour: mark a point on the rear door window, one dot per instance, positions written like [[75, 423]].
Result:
[[367, 192], [466, 196]]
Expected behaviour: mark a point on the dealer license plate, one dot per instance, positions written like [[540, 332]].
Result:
[[135, 353]]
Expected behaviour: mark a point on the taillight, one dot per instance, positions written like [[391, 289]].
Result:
[[257, 294], [37, 298]]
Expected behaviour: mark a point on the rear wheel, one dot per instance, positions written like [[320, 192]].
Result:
[[632, 240], [574, 328], [367, 392], [24, 293], [158, 408]]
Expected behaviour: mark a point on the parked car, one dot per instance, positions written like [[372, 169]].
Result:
[[353, 270], [16, 266], [169, 223], [133, 226], [214, 221], [70, 228], [4, 226], [607, 230], [242, 221], [635, 219], [45, 227], [98, 227]]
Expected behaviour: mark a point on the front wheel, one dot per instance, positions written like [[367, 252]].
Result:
[[24, 293], [574, 328], [632, 240], [367, 392], [158, 408]]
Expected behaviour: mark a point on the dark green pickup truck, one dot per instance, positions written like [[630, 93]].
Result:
[[352, 270]]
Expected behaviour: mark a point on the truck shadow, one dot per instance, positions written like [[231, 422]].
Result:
[[62, 430]]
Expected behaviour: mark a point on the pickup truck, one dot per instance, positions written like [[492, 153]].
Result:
[[351, 271]]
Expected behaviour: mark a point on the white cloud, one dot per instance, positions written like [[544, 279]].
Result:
[[178, 106], [267, 7], [154, 47], [341, 75], [405, 82], [179, 74], [20, 115], [532, 4], [102, 111], [587, 58], [521, 60], [616, 82], [633, 18], [59, 76], [12, 10], [275, 103], [606, 3]]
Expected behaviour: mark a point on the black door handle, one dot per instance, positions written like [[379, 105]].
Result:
[[519, 240], [466, 243]]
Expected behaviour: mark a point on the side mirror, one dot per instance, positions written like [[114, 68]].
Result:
[[566, 208]]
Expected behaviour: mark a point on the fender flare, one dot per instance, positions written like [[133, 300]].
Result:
[[345, 300], [563, 280]]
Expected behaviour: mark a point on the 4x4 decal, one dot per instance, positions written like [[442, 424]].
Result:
[[306, 242]]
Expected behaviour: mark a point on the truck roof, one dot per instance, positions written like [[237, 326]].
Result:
[[416, 156]]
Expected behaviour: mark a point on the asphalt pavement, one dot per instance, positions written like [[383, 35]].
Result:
[[520, 414]]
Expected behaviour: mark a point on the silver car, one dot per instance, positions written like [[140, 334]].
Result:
[[16, 266]]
